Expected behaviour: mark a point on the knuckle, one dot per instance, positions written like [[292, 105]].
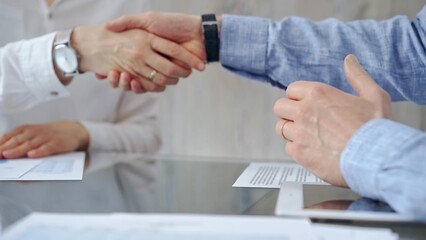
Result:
[[302, 112], [150, 15], [174, 81], [294, 150], [277, 106], [171, 71], [47, 147], [173, 50], [29, 144], [15, 139], [134, 55], [187, 73], [317, 91], [161, 80], [160, 89]]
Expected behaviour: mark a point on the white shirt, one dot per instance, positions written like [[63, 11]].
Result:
[[116, 121]]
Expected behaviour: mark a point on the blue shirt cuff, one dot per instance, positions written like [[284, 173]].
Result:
[[370, 152], [244, 49]]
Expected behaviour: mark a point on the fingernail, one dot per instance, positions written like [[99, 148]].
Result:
[[201, 67], [352, 59]]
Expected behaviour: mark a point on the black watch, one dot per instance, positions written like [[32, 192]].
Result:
[[211, 37]]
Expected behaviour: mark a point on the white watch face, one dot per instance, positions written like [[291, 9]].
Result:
[[65, 59]]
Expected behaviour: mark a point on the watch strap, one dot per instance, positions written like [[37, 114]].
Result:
[[63, 37], [211, 37]]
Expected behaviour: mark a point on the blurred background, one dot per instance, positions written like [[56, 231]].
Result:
[[219, 114]]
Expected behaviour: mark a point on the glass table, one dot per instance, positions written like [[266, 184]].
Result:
[[115, 182]]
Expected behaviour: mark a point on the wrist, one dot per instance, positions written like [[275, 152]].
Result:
[[81, 42], [83, 136]]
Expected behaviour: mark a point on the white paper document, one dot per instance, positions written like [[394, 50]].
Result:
[[272, 175], [14, 169], [164, 227], [68, 166], [338, 232]]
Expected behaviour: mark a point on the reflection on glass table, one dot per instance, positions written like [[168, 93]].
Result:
[[139, 184], [128, 183]]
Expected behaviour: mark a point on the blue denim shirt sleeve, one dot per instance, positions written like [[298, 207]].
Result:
[[384, 160], [392, 51]]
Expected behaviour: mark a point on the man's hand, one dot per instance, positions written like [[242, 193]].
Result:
[[179, 28], [43, 140], [136, 52], [318, 120]]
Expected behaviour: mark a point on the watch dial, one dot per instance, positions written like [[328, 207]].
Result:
[[66, 59]]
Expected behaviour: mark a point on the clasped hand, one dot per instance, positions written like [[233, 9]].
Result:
[[143, 52]]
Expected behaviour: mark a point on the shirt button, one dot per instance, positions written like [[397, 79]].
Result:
[[50, 15], [54, 93]]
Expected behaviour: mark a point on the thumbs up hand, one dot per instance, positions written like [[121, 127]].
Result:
[[318, 120]]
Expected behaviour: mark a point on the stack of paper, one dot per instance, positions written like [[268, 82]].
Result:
[[59, 167], [272, 175], [182, 227], [161, 227], [338, 232]]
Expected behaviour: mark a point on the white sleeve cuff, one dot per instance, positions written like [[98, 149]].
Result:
[[38, 71]]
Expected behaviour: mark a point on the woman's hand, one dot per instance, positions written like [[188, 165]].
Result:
[[35, 141]]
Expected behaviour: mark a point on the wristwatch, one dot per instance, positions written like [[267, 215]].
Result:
[[65, 56], [211, 37]]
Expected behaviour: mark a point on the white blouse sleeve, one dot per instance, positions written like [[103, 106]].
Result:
[[135, 129], [27, 75]]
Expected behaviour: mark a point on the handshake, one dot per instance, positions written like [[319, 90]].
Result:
[[142, 53]]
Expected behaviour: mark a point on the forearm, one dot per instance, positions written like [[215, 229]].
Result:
[[385, 160], [297, 49], [126, 137]]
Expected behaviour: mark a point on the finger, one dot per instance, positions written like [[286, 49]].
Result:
[[299, 90], [166, 67], [283, 128], [162, 80], [23, 149], [16, 140], [113, 79], [100, 77], [124, 82], [6, 137], [46, 149], [360, 80], [176, 51], [149, 86], [127, 22], [287, 109], [136, 87], [159, 78]]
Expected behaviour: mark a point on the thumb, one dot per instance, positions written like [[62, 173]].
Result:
[[127, 22], [360, 80]]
